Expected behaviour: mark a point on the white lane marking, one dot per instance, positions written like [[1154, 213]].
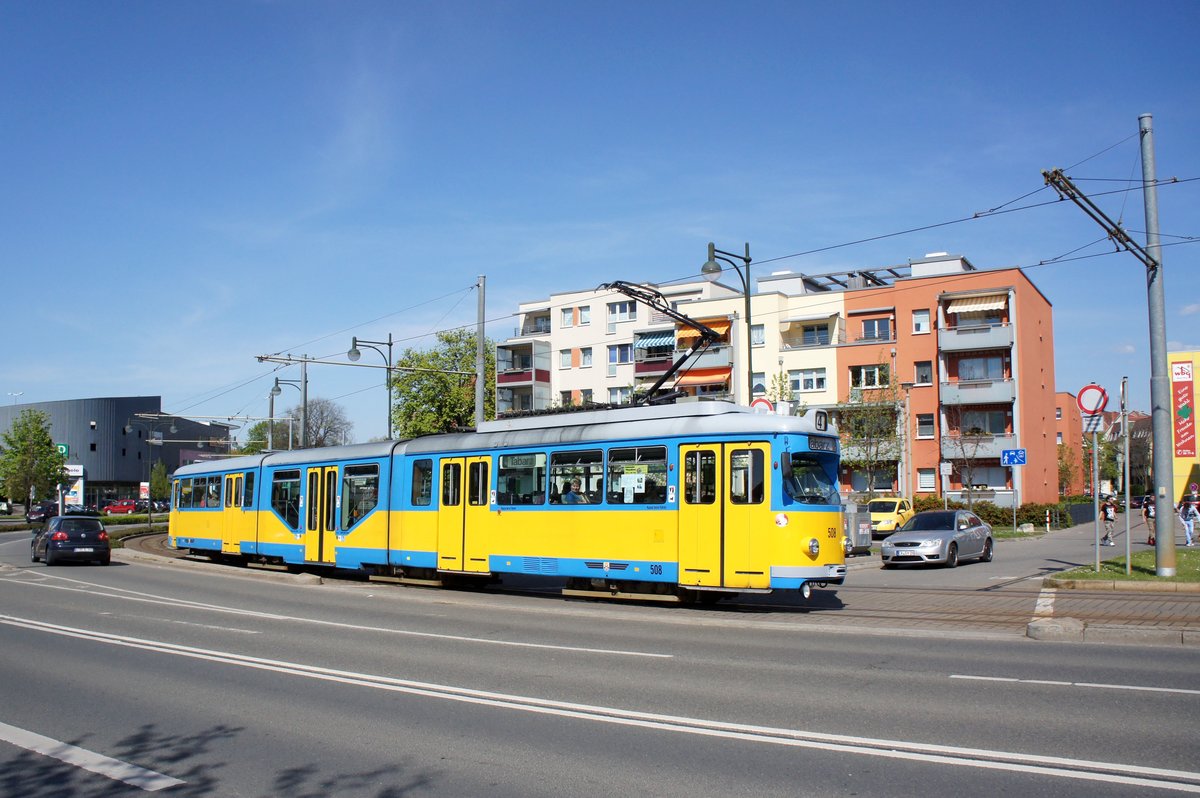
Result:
[[80, 586], [1045, 604], [115, 769], [1063, 767], [1136, 687]]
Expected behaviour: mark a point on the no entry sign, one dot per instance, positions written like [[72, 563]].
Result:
[[1092, 399]]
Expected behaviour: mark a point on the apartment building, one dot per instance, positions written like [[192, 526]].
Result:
[[962, 358], [1068, 435]]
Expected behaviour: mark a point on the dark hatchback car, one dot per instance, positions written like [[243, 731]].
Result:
[[41, 512], [71, 537]]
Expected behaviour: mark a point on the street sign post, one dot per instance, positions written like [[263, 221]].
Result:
[[1092, 399], [1012, 457]]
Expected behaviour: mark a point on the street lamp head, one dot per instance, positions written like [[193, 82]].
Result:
[[353, 355], [711, 271], [275, 389]]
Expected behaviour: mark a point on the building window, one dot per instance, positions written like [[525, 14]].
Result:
[[816, 334], [920, 321], [564, 358], [585, 315], [566, 317], [585, 396], [924, 372], [620, 311], [1058, 413], [991, 422], [564, 398], [806, 380], [618, 396], [757, 336], [877, 330], [925, 428], [981, 368], [585, 357], [621, 353], [760, 384], [1059, 438], [869, 376], [926, 479]]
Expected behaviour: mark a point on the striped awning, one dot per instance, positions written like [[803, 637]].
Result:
[[703, 377], [719, 326], [655, 339], [977, 304]]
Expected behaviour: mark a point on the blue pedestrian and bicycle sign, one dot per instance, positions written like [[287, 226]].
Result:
[[1012, 457]]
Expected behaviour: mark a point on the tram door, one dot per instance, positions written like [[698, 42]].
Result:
[[462, 514], [722, 502], [236, 523], [320, 515]]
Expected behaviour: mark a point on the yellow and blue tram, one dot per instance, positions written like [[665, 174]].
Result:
[[690, 500]]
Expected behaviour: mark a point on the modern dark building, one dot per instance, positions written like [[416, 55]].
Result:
[[117, 440]]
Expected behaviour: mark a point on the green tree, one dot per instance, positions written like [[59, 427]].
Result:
[[431, 397], [871, 434], [257, 439], [30, 464], [160, 483]]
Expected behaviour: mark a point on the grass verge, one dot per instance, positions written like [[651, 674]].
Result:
[[1142, 567]]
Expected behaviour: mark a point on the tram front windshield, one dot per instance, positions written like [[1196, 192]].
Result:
[[809, 481]]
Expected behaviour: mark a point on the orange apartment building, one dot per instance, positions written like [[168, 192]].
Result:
[[973, 358], [1068, 421]]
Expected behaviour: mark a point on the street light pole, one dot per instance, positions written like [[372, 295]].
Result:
[[275, 391], [353, 356], [712, 272]]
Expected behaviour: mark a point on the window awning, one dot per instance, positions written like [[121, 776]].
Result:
[[719, 326], [977, 304], [703, 377], [655, 339]]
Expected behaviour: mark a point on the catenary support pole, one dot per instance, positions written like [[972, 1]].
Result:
[[480, 355], [1160, 386]]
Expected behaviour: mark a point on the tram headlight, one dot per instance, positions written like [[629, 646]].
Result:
[[814, 547], [847, 545]]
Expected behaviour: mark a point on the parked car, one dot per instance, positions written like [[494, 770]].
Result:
[[79, 509], [5, 507], [1136, 502], [888, 515], [41, 512], [939, 536], [71, 537], [121, 507]]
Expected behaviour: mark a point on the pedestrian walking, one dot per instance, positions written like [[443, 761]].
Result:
[[1189, 515], [1148, 517], [1108, 511]]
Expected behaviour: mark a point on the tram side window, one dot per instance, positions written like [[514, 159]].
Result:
[[185, 494], [314, 505], [214, 491], [200, 492], [522, 478], [248, 493], [360, 493], [637, 475], [700, 477], [586, 466], [175, 493], [746, 476], [230, 495], [451, 482], [285, 496], [330, 500], [477, 488], [422, 483]]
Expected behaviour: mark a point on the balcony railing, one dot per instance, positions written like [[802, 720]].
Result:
[[961, 339], [975, 447], [978, 392]]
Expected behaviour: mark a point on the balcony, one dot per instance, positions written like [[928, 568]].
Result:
[[962, 339], [652, 366], [978, 392], [975, 447], [714, 357]]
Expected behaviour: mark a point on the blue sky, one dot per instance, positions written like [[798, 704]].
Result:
[[190, 184]]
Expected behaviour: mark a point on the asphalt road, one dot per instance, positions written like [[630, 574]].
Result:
[[202, 681]]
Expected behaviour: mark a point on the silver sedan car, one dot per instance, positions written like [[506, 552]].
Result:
[[939, 536]]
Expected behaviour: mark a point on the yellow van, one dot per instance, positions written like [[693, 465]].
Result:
[[888, 515]]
